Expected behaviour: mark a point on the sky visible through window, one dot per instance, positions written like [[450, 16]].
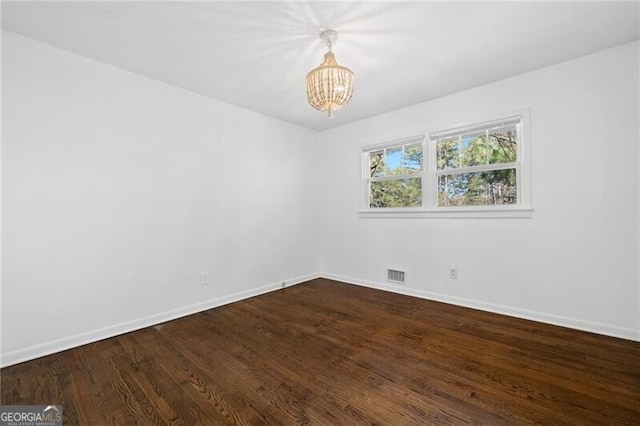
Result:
[[394, 158]]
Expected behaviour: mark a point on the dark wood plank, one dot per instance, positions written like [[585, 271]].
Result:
[[325, 352]]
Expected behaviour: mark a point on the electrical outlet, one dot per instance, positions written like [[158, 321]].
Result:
[[453, 273], [204, 278]]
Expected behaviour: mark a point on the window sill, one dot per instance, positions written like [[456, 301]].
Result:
[[448, 213]]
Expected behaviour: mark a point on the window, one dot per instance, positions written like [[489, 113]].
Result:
[[476, 168], [394, 174]]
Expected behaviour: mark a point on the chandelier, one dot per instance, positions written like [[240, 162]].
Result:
[[329, 86]]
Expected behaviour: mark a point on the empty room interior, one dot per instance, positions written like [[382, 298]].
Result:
[[326, 213]]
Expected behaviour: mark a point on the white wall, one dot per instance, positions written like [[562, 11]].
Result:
[[575, 262], [118, 191]]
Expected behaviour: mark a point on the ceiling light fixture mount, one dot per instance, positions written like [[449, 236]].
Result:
[[329, 86]]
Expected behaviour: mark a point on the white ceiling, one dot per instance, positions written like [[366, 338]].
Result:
[[256, 55]]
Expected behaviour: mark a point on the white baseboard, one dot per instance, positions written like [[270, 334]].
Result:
[[593, 327], [37, 351]]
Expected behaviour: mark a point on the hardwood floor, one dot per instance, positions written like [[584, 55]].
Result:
[[330, 353]]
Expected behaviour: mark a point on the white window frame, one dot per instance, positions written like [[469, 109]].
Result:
[[429, 175]]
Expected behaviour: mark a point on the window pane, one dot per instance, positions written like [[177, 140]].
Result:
[[412, 159], [478, 189], [447, 153], [393, 161], [376, 163], [396, 193], [503, 145], [396, 161], [478, 148], [473, 150]]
